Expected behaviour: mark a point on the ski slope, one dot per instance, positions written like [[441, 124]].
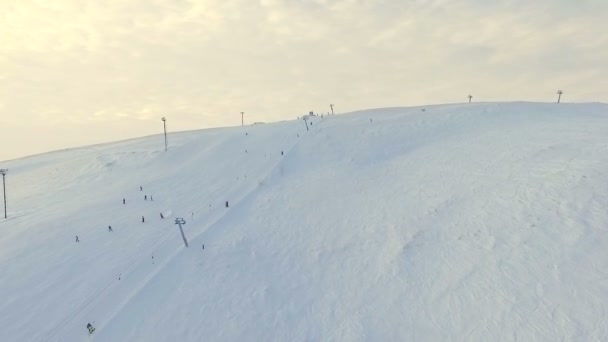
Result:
[[473, 222]]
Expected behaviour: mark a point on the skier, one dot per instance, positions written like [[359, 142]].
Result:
[[141, 188], [151, 199], [146, 197], [90, 327], [110, 228], [226, 204], [281, 152], [161, 216], [124, 201], [77, 239], [143, 220]]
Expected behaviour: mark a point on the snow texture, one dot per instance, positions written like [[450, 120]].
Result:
[[476, 222]]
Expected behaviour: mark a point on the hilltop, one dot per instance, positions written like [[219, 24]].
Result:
[[483, 221]]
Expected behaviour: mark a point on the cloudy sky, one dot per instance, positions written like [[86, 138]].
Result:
[[76, 72]]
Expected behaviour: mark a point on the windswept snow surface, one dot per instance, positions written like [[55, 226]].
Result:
[[476, 222]]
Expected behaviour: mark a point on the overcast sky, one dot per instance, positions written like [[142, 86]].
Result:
[[76, 72]]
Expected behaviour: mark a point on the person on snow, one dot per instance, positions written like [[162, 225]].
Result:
[[124, 201], [77, 239], [90, 327], [143, 220], [161, 216], [151, 199], [141, 188], [110, 228], [146, 197]]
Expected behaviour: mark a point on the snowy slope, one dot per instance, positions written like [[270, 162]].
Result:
[[460, 222]]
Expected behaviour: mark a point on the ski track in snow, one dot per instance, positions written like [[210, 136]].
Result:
[[481, 222]]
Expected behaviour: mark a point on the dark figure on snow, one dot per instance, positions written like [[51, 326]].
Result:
[[143, 219], [146, 197], [90, 327], [77, 240], [281, 152], [141, 188], [161, 216], [226, 204], [110, 228], [124, 201], [151, 199]]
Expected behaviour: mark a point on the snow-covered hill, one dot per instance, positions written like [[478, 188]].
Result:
[[460, 222]]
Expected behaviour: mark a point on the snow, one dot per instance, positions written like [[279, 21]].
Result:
[[483, 221]]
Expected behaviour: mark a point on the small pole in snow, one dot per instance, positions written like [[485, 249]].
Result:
[[180, 221], [470, 97], [165, 128], [559, 95], [3, 173]]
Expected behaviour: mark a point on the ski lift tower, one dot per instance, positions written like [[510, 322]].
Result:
[[179, 221], [3, 173]]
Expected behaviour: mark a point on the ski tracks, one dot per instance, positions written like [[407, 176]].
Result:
[[78, 316]]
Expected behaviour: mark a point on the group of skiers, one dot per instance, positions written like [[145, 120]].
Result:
[[124, 201], [90, 327]]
